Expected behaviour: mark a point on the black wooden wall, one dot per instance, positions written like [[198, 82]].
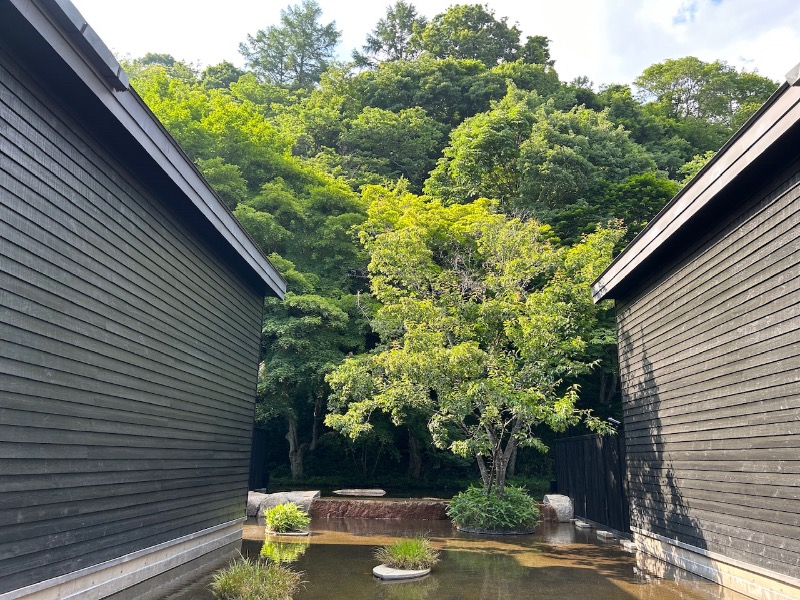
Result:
[[128, 352], [710, 367]]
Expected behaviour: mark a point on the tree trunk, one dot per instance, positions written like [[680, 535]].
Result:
[[297, 451], [512, 463], [485, 475]]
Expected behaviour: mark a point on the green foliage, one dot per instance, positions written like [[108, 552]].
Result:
[[551, 163], [693, 167], [296, 52], [714, 92], [470, 31], [284, 551], [287, 517], [475, 509], [226, 179], [221, 75], [251, 580], [391, 38], [411, 554], [481, 318], [393, 145]]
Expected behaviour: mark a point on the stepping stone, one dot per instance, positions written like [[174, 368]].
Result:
[[388, 573], [582, 525], [360, 492]]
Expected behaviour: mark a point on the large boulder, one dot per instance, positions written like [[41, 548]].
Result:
[[257, 502], [562, 505]]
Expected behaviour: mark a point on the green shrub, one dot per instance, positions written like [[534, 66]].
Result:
[[286, 518], [473, 509], [410, 553], [247, 580]]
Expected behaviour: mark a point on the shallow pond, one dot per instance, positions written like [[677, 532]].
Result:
[[557, 562]]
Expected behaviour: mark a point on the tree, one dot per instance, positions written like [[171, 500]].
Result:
[[532, 157], [391, 38], [714, 92], [220, 75], [470, 31], [226, 179], [296, 52], [536, 50], [393, 145], [483, 320]]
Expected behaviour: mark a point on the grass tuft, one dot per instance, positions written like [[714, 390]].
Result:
[[409, 553], [250, 580]]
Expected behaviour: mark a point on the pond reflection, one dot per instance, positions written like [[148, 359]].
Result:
[[283, 551], [558, 561]]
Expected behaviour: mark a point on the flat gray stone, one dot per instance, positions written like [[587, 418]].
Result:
[[562, 505], [360, 492], [384, 572]]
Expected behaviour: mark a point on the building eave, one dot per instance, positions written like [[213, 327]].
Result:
[[61, 26], [765, 127]]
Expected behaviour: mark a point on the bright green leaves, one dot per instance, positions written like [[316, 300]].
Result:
[[482, 319]]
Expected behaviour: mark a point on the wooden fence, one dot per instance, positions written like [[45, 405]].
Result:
[[590, 469]]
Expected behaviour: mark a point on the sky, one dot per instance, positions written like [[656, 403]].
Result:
[[608, 41]]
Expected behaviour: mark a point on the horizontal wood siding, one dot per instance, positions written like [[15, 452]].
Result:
[[128, 354], [710, 368]]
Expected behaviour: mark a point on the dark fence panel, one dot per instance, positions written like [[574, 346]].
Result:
[[590, 470], [259, 476]]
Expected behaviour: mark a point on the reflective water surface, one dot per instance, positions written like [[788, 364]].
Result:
[[557, 562]]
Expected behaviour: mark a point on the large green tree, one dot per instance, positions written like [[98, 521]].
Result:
[[470, 31], [533, 157], [715, 92], [296, 52], [391, 38], [483, 322]]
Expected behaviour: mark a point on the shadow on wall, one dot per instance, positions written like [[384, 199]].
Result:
[[654, 483]]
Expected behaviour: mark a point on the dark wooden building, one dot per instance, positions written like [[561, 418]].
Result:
[[708, 315], [130, 318]]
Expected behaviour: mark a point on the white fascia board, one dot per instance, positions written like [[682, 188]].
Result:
[[771, 122], [53, 22]]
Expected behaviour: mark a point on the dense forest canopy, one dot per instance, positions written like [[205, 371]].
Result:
[[459, 123]]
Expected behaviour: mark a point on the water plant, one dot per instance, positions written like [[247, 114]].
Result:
[[286, 518], [253, 580], [514, 511], [408, 553]]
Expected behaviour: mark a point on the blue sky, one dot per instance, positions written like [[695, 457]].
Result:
[[609, 41]]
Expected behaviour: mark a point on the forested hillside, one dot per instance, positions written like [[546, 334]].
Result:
[[460, 123]]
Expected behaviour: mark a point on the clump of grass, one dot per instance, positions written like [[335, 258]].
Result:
[[285, 518], [409, 553], [249, 580]]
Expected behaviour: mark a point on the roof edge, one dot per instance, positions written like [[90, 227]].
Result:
[[766, 125], [61, 25]]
